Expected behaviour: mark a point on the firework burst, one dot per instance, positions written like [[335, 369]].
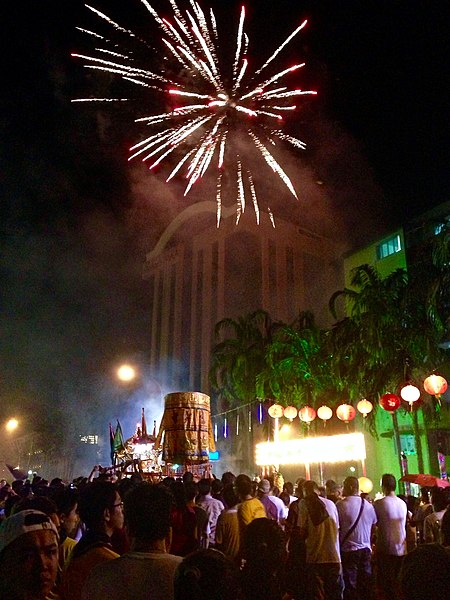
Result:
[[198, 132]]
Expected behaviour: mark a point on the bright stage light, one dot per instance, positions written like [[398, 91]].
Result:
[[326, 449]]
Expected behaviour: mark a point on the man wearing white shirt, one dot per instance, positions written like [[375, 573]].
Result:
[[356, 520], [391, 537]]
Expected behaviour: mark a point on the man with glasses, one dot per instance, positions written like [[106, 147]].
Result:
[[101, 510], [147, 570]]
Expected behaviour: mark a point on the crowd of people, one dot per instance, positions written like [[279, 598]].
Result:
[[234, 538]]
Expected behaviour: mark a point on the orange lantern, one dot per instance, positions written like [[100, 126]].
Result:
[[410, 393], [364, 407], [345, 412], [435, 385], [275, 411], [290, 412], [307, 414], [325, 413]]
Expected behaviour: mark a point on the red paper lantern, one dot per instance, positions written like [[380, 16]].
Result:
[[290, 412], [324, 413], [345, 412], [275, 411], [435, 385], [390, 402], [307, 414], [364, 407]]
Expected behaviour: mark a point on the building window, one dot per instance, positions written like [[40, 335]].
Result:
[[389, 246], [89, 439]]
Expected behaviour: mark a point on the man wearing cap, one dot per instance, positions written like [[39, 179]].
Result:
[[263, 496], [28, 556]]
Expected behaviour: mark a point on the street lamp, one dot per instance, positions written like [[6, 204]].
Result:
[[126, 373], [11, 425]]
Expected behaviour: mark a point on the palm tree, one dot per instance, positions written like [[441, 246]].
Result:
[[296, 368], [236, 362], [237, 359], [387, 337]]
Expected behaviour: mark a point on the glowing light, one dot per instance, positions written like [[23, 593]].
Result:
[[325, 413], [410, 393], [307, 414], [12, 425], [345, 412], [275, 411], [290, 412], [365, 485], [364, 407], [126, 373], [326, 449], [189, 46], [435, 385]]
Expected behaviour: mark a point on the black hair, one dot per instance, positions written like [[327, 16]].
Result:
[[95, 497], [243, 485], [147, 508], [204, 486], [229, 495], [207, 574], [388, 482]]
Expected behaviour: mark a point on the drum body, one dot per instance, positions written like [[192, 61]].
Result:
[[187, 428]]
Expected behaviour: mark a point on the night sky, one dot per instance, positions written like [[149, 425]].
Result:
[[75, 219]]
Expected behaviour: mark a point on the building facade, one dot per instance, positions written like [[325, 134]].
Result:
[[200, 274]]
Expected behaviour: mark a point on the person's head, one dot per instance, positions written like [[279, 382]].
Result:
[[264, 487], [288, 487], [425, 572], [388, 483], [243, 486], [351, 486], [28, 555], [425, 495], [332, 489], [230, 496], [100, 507], [191, 491], [445, 528], [216, 487], [299, 484], [40, 503], [228, 477], [147, 510], [66, 500], [207, 574], [204, 486], [439, 499], [188, 477], [310, 488], [285, 497], [179, 494], [264, 544]]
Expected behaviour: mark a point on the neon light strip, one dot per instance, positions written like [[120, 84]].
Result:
[[328, 449]]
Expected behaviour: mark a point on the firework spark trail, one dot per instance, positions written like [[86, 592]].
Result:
[[190, 47]]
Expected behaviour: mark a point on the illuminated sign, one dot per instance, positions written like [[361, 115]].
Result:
[[214, 455], [328, 449]]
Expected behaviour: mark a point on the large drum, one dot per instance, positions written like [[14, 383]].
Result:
[[186, 426]]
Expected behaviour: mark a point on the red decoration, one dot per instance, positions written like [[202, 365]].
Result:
[[345, 412], [390, 402], [307, 414], [435, 385], [290, 412]]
